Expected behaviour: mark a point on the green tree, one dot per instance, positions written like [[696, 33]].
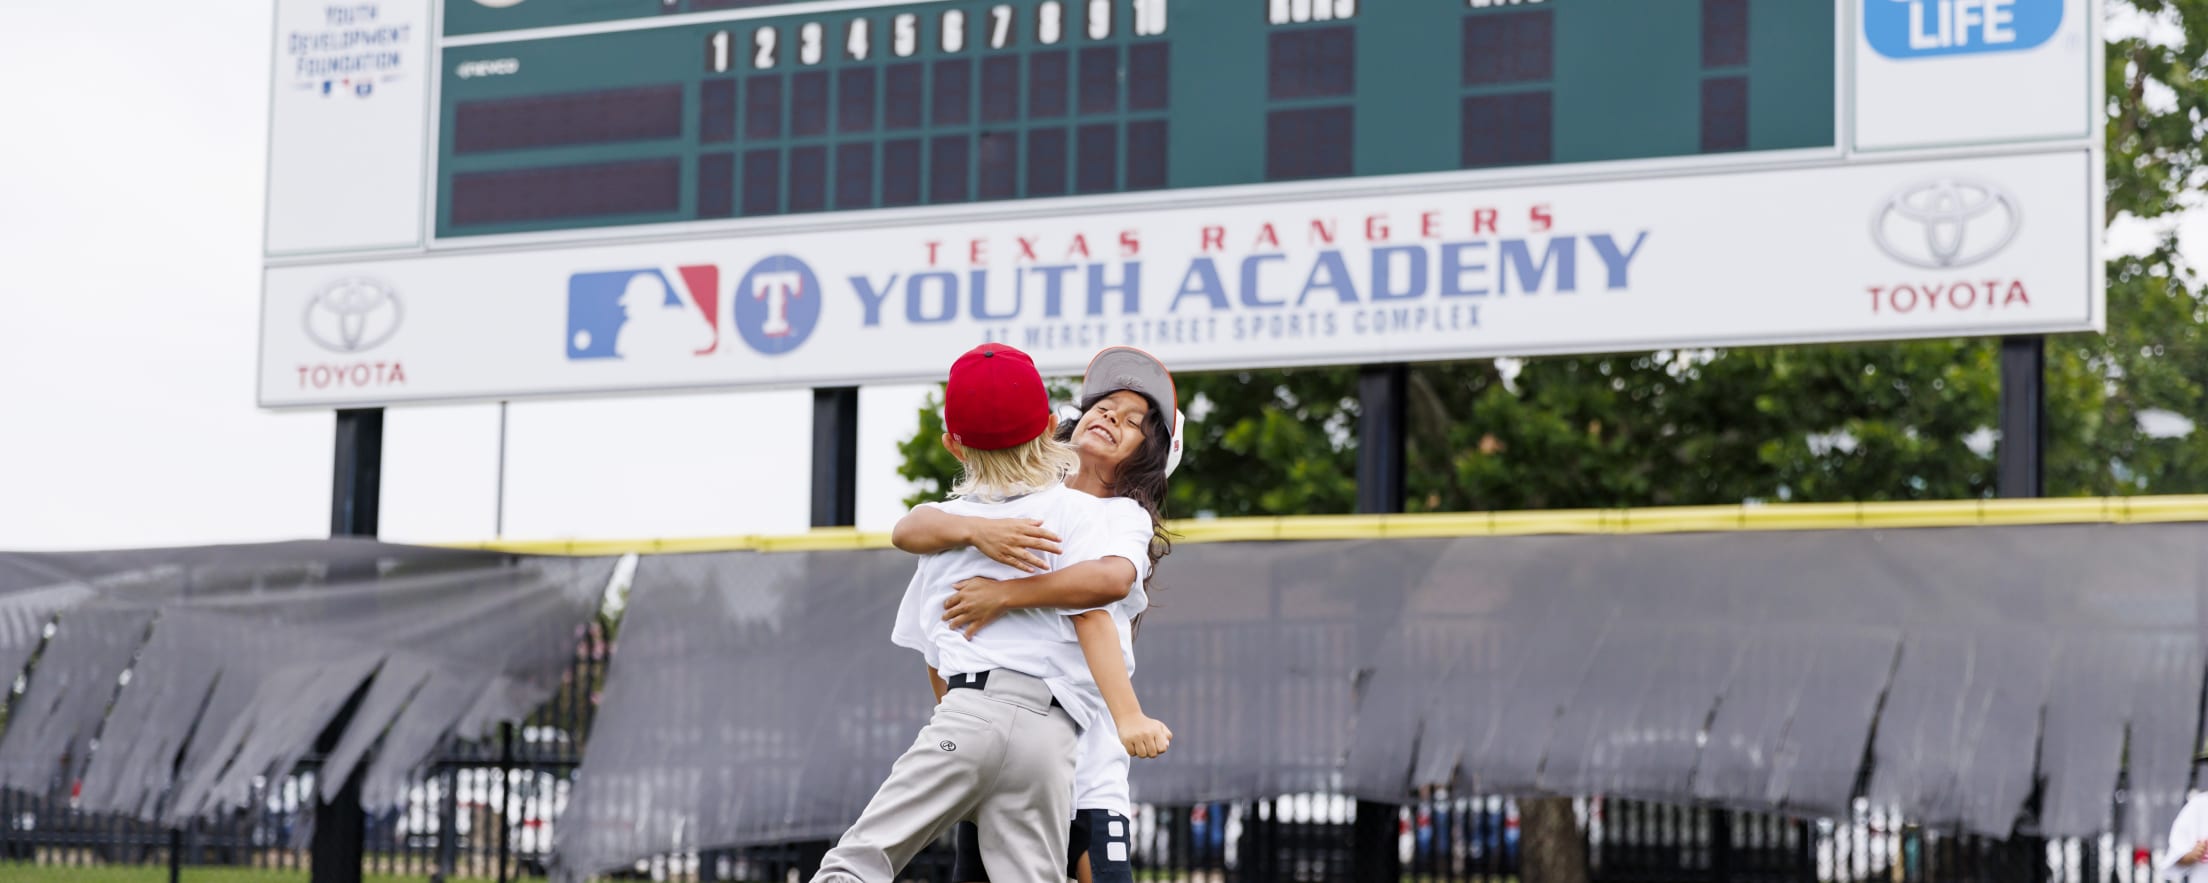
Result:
[[1886, 421]]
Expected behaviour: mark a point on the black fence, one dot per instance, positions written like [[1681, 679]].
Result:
[[1443, 839], [489, 810], [452, 821], [1301, 838]]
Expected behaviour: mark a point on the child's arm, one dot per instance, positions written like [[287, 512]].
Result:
[[1089, 584], [1143, 736], [1011, 541], [935, 681]]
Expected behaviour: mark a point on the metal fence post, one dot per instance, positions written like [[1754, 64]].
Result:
[[448, 825], [1721, 845], [506, 796]]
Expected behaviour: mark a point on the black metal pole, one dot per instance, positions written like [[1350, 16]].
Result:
[[2023, 417], [357, 487], [355, 500], [835, 456], [835, 504], [506, 796], [1380, 392], [1380, 489], [448, 826], [1721, 846], [2023, 474]]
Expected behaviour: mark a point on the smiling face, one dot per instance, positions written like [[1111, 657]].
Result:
[[1112, 430]]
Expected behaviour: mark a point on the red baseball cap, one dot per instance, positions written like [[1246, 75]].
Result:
[[995, 399]]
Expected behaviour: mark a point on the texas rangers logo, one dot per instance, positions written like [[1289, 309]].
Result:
[[660, 314], [777, 305]]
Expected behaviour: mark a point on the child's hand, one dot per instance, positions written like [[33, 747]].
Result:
[[1144, 736], [1013, 542], [975, 603]]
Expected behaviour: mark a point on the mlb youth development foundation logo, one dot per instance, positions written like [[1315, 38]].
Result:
[[651, 315]]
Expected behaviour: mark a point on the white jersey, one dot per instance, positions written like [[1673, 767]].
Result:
[[1040, 643]]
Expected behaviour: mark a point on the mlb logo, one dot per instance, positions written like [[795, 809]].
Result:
[[644, 315]]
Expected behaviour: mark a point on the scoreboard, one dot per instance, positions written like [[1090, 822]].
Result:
[[947, 103], [489, 199]]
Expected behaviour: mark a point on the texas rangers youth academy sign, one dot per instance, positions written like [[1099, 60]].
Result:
[[1894, 250]]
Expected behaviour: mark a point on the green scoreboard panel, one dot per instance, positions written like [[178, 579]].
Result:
[[615, 117]]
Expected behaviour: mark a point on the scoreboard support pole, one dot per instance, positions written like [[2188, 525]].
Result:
[[835, 504], [1380, 394], [356, 495], [1380, 489], [835, 456], [2022, 470]]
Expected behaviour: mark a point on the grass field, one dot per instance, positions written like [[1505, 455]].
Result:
[[22, 873]]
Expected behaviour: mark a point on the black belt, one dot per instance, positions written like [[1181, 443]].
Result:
[[978, 680]]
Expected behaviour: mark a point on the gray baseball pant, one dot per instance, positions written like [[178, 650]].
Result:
[[1002, 756]]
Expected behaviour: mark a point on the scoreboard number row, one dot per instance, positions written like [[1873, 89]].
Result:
[[1002, 26]]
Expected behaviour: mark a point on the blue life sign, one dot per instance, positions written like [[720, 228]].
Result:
[[1928, 28]]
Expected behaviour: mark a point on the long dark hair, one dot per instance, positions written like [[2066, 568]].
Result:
[[1141, 477]]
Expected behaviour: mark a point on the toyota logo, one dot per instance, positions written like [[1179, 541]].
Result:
[[1946, 223], [352, 315]]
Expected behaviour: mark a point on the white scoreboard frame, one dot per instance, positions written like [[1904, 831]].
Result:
[[399, 342]]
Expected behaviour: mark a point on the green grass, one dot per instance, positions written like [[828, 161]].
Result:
[[15, 872]]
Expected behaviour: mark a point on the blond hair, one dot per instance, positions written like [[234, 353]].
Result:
[[1022, 469]]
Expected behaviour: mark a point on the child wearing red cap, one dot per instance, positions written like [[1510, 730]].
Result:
[[1128, 438], [1001, 745]]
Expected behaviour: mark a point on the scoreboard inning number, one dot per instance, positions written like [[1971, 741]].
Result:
[[1286, 11], [1003, 25]]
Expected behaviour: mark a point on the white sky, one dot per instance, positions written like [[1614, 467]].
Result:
[[132, 143]]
